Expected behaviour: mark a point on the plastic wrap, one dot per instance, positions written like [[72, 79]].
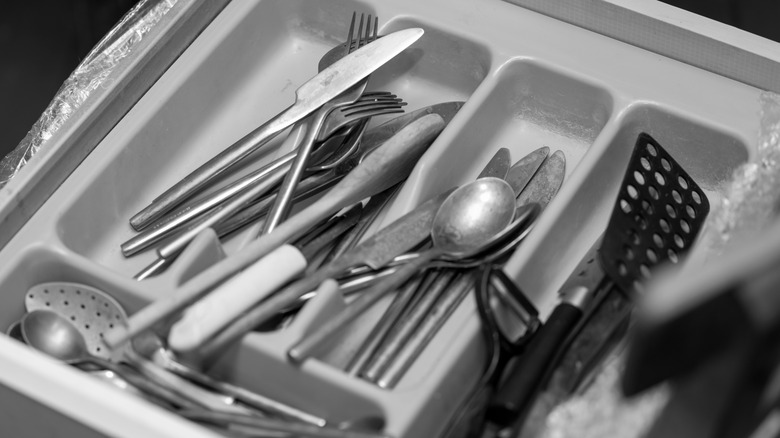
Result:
[[751, 201], [90, 75]]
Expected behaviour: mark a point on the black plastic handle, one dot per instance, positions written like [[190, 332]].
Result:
[[522, 381]]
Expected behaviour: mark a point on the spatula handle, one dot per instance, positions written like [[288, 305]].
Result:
[[522, 382]]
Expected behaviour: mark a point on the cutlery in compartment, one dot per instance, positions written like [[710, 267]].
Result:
[[428, 353]]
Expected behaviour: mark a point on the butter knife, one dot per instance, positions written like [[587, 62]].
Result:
[[318, 90]]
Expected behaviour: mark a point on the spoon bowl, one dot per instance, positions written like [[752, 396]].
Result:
[[56, 336], [470, 216]]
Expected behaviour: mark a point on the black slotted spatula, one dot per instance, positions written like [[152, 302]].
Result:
[[656, 218]]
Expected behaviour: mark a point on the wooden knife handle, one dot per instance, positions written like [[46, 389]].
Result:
[[211, 313]]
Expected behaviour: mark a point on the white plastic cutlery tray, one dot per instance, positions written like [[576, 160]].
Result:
[[528, 81]]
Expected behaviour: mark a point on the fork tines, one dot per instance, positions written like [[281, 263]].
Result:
[[362, 38]]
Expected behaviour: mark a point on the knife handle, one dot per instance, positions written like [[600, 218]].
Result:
[[522, 381], [207, 316]]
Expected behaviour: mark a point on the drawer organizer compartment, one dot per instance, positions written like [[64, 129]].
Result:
[[526, 81]]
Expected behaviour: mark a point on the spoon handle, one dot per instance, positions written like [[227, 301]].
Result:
[[311, 345], [388, 165], [142, 383]]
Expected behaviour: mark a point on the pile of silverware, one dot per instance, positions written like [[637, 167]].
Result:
[[428, 258]]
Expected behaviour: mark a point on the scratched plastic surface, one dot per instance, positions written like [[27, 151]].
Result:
[[528, 81]]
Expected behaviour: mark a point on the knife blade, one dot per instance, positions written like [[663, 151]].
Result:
[[400, 236], [525, 168], [545, 183], [314, 93], [498, 166]]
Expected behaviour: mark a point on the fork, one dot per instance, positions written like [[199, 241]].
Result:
[[313, 123], [371, 104], [229, 208]]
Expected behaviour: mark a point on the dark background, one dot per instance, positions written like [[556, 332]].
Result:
[[42, 41]]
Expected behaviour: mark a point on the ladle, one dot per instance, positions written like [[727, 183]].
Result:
[[469, 216]]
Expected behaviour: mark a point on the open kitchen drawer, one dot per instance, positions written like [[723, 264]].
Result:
[[528, 80]]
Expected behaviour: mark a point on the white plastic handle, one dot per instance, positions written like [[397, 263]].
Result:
[[210, 314]]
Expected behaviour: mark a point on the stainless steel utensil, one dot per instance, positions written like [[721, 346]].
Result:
[[254, 426], [401, 235], [383, 168], [308, 97], [469, 216], [311, 126], [93, 312], [499, 167], [54, 335], [243, 199], [262, 180], [150, 346]]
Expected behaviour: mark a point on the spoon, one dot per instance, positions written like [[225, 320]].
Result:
[[149, 345], [93, 312], [470, 216], [54, 335]]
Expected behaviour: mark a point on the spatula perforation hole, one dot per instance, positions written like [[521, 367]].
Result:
[[628, 252], [632, 192], [678, 240], [651, 255], [666, 165], [644, 270], [682, 182], [677, 197], [622, 269], [685, 226], [640, 219], [653, 193], [671, 211], [659, 178], [645, 163], [633, 237], [639, 178], [647, 208], [672, 255], [658, 240], [691, 211], [625, 206], [696, 197], [651, 150]]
